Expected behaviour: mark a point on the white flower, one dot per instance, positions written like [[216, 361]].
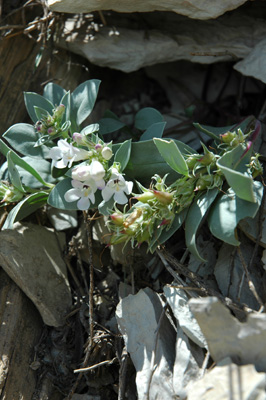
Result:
[[83, 192], [81, 173], [97, 173], [107, 153], [117, 186], [64, 154]]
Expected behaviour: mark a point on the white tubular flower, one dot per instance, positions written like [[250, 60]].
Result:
[[118, 187], [83, 192], [97, 173], [81, 173], [64, 154]]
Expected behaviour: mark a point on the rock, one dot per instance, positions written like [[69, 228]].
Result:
[[199, 9], [178, 301], [243, 342], [32, 257], [254, 64], [251, 228], [138, 317], [20, 330], [170, 37], [222, 381]]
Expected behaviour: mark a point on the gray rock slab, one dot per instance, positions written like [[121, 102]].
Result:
[[31, 255], [199, 9], [227, 381], [171, 37], [149, 343], [243, 342], [178, 301]]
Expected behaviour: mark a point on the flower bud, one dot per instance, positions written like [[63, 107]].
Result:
[[204, 182], [117, 219], [144, 236], [12, 195], [207, 159], [77, 137], [51, 131], [145, 197], [192, 160], [228, 137], [107, 153], [132, 217], [59, 111], [98, 147], [163, 197]]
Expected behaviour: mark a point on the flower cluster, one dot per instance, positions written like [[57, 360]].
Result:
[[93, 174], [51, 125]]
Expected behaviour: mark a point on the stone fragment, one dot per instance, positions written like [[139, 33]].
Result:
[[226, 380], [243, 342], [32, 257], [178, 301], [255, 63], [138, 317], [198, 9]]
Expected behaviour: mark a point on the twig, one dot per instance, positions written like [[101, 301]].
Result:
[[100, 364], [74, 276], [122, 374], [91, 289], [250, 283]]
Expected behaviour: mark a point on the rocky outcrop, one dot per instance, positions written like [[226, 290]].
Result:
[[199, 9]]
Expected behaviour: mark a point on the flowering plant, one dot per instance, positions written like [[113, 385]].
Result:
[[149, 188]]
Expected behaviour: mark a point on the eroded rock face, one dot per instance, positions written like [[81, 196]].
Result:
[[31, 255], [169, 38], [197, 9]]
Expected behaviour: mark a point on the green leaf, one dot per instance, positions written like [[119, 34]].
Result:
[[25, 207], [23, 137], [13, 173], [145, 161], [83, 100], [40, 112], [147, 117], [56, 198], [4, 149], [109, 125], [44, 169], [154, 131], [172, 155], [35, 100], [53, 93], [212, 131], [123, 154], [235, 172], [228, 210], [90, 129], [195, 216], [162, 234]]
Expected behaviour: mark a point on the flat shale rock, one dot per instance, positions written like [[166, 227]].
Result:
[[165, 37], [31, 256], [198, 9]]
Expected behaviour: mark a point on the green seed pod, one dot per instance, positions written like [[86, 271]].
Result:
[[163, 197], [145, 197]]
